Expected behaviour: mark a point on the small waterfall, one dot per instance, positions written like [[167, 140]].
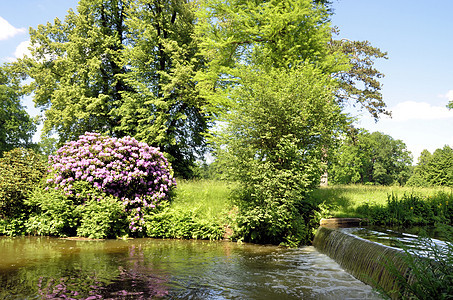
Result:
[[364, 259]]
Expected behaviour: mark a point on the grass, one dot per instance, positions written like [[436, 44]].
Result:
[[344, 199], [211, 197]]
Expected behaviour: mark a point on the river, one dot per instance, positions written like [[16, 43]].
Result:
[[52, 268]]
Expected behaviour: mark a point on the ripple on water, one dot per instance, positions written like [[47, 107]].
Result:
[[147, 268]]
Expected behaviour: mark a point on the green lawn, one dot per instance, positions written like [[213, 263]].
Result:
[[212, 197], [344, 199]]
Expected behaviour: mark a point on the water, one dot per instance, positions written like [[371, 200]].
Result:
[[397, 237], [49, 268]]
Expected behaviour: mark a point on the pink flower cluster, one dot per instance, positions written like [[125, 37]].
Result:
[[137, 174]]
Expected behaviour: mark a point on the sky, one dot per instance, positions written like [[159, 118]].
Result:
[[416, 34]]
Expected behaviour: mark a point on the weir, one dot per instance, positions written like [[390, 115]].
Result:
[[366, 260]]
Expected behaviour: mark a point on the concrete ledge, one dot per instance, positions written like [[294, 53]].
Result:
[[341, 222]]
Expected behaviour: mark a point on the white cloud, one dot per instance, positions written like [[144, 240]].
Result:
[[22, 49], [449, 95], [7, 30], [411, 110]]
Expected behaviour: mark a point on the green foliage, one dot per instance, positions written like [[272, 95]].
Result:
[[182, 223], [409, 210], [102, 217], [434, 169], [121, 68], [370, 158], [431, 270], [361, 82], [273, 146], [21, 170], [53, 214], [16, 126], [163, 107], [236, 35]]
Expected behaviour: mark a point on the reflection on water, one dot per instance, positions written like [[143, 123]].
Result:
[[48, 268]]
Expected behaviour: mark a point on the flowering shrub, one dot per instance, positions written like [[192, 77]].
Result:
[[136, 174]]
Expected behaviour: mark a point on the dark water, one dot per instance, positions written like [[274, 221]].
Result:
[[48, 268]]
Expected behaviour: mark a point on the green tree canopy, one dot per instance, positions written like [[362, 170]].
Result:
[[16, 125], [376, 158], [273, 145], [434, 169], [121, 67], [360, 84], [268, 34]]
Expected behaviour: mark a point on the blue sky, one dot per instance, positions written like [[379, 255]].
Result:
[[418, 36]]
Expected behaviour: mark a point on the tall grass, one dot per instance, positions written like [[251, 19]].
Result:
[[343, 200], [198, 210], [211, 197]]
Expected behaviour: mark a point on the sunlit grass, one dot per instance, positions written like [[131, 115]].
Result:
[[344, 199], [211, 197]]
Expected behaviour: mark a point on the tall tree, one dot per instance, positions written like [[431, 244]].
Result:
[[376, 158], [271, 34], [268, 62], [360, 84], [16, 125], [273, 144], [75, 66], [352, 160], [165, 109], [284, 34], [434, 169], [121, 67]]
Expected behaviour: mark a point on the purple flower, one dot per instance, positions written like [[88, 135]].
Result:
[[123, 168]]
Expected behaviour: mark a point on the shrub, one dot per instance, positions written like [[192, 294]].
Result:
[[431, 270], [102, 168], [102, 218], [21, 170], [410, 210], [53, 214], [182, 223]]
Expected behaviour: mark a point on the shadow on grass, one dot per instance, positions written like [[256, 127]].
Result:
[[337, 201]]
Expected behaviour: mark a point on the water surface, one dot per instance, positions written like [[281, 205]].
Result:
[[49, 268]]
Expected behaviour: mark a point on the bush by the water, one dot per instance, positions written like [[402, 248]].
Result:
[[97, 187], [410, 209], [97, 168], [20, 171], [431, 270]]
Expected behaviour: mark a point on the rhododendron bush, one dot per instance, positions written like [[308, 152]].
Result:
[[135, 174]]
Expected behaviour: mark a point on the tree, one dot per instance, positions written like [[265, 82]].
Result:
[[75, 66], [165, 109], [273, 146], [284, 34], [360, 83], [277, 34], [434, 169], [121, 67], [419, 175], [352, 160], [375, 158], [440, 167], [16, 125]]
